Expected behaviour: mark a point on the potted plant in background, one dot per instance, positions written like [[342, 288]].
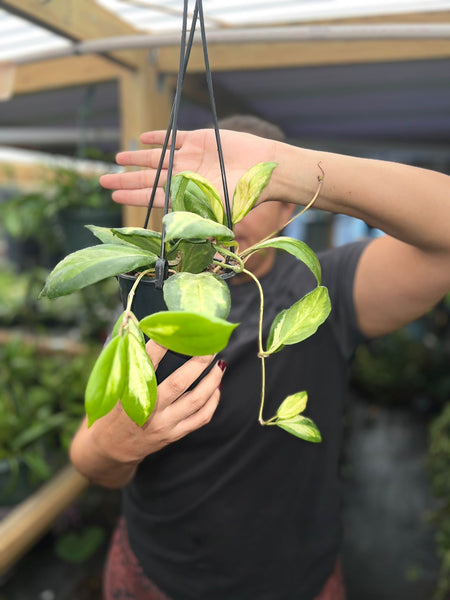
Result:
[[84, 316], [199, 250], [36, 421], [80, 199], [44, 224]]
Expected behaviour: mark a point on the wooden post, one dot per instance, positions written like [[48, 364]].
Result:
[[145, 104]]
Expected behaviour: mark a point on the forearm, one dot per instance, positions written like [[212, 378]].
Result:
[[406, 202], [94, 464]]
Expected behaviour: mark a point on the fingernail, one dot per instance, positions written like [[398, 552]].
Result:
[[222, 364]]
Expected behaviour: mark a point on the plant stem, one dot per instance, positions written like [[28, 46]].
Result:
[[232, 255], [260, 346], [127, 313], [307, 207], [133, 289]]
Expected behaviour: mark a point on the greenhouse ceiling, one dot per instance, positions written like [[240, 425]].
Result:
[[371, 91]]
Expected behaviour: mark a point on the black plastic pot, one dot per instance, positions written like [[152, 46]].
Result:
[[148, 300], [73, 220]]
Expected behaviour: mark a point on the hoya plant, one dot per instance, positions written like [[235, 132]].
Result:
[[199, 250]]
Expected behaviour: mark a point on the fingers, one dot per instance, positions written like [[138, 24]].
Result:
[[198, 419], [155, 352], [196, 408], [131, 180], [142, 158], [158, 137], [138, 197], [180, 380], [191, 402]]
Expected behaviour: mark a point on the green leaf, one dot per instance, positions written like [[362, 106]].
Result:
[[142, 238], [188, 333], [89, 265], [76, 547], [192, 192], [139, 393], [203, 293], [195, 257], [189, 226], [249, 188], [187, 196], [37, 430], [118, 325], [107, 379], [36, 463], [292, 405], [300, 321], [105, 235], [299, 249], [301, 427], [133, 328]]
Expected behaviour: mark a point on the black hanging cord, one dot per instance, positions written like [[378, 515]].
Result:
[[161, 266], [169, 129], [214, 115]]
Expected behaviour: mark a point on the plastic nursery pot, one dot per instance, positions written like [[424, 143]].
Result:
[[72, 222], [148, 300]]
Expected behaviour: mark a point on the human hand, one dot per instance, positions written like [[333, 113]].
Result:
[[195, 151], [177, 412]]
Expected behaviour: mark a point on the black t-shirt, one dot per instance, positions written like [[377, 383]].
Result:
[[236, 511]]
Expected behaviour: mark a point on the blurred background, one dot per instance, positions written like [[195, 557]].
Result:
[[368, 78]]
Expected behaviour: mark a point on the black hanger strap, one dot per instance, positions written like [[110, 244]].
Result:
[[185, 52]]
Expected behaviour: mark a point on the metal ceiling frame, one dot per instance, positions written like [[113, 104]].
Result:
[[300, 33]]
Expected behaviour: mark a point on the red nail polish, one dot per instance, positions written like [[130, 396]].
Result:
[[222, 364]]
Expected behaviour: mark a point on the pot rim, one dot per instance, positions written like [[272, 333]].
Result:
[[151, 280]]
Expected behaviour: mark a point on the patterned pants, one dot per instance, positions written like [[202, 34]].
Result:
[[125, 580]]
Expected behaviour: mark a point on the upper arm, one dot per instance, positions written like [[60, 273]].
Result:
[[395, 283]]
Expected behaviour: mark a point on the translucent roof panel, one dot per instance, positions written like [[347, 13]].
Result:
[[19, 37], [164, 15]]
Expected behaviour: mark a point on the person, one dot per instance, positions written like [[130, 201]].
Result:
[[216, 507]]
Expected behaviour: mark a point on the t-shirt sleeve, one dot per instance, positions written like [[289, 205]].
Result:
[[338, 274]]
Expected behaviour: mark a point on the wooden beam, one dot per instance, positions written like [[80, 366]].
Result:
[[31, 519], [238, 57], [145, 104], [77, 20], [227, 57], [63, 72]]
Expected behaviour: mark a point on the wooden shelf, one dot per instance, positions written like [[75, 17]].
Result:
[[47, 344]]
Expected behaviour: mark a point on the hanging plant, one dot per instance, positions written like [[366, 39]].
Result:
[[188, 261], [199, 250]]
